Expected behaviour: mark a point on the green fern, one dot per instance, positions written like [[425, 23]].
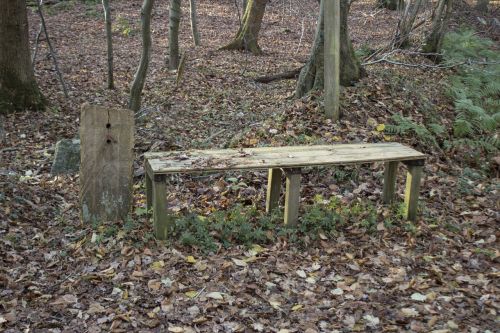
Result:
[[475, 89], [405, 126]]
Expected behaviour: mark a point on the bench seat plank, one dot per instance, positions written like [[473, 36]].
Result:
[[278, 157]]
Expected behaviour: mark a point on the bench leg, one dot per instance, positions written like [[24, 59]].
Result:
[[273, 189], [292, 196], [390, 174], [149, 191], [413, 178], [162, 220]]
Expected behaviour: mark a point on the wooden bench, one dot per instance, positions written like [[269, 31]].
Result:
[[280, 160]]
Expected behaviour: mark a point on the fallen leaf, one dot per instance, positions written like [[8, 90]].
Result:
[[215, 295], [409, 312], [337, 291], [65, 300], [190, 259], [239, 262], [301, 273], [418, 297], [191, 293], [371, 321]]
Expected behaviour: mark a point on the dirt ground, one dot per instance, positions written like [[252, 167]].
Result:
[[439, 274]]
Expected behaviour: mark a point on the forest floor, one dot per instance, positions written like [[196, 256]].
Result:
[[439, 274]]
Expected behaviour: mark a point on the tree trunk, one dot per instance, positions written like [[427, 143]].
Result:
[[482, 5], [390, 4], [140, 76], [109, 40], [406, 23], [312, 74], [434, 40], [194, 22], [248, 33], [173, 34], [18, 87]]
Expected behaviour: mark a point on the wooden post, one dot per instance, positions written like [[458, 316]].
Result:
[[292, 196], [162, 219], [332, 58], [413, 178], [107, 143], [390, 174], [273, 189], [149, 190]]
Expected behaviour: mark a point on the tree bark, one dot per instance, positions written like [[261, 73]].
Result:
[[18, 87], [482, 5], [390, 4], [194, 22], [173, 34], [406, 23], [248, 33], [434, 40], [312, 74], [140, 76], [109, 41]]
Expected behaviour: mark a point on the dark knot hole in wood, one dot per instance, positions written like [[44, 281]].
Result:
[[108, 125]]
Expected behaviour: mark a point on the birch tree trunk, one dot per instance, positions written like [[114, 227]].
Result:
[[140, 76], [18, 87], [312, 74], [173, 34], [194, 22], [109, 41], [247, 36]]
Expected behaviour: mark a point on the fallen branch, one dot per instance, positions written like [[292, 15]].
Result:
[[293, 74]]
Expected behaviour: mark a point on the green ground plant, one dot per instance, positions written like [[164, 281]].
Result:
[[475, 90], [245, 225]]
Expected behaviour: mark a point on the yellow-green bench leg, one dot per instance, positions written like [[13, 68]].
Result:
[[292, 196], [149, 191], [273, 189], [390, 174], [162, 220], [412, 191]]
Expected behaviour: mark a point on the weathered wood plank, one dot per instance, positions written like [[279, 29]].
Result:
[[162, 219], [149, 190], [412, 191], [292, 196], [279, 157], [390, 175], [273, 189], [107, 141]]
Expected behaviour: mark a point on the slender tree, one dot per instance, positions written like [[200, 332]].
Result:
[[142, 70], [247, 36], [194, 22], [482, 5], [173, 34], [390, 4], [406, 23], [312, 74], [440, 18], [18, 87], [109, 41]]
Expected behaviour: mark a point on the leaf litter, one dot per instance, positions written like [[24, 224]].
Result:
[[56, 275]]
